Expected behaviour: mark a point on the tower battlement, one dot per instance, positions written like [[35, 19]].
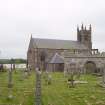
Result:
[[84, 36]]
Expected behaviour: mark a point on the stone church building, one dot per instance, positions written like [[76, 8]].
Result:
[[41, 51]]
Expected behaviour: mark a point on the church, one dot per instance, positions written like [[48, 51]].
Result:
[[41, 51]]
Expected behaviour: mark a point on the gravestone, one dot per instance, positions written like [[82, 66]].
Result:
[[66, 69], [29, 71], [102, 83], [48, 78], [103, 78], [38, 87], [21, 75], [25, 73], [1, 68], [79, 70], [10, 83], [72, 72]]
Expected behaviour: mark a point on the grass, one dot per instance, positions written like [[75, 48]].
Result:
[[22, 91], [57, 93], [83, 94]]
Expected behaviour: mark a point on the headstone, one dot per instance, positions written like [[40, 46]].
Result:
[[78, 70], [103, 78], [10, 84], [49, 79], [38, 87], [102, 83], [29, 71], [1, 68], [65, 73], [66, 68], [21, 75], [71, 80], [25, 74], [72, 73]]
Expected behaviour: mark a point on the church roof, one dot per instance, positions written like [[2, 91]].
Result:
[[56, 44], [57, 59]]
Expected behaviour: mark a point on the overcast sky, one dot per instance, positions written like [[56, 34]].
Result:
[[47, 19]]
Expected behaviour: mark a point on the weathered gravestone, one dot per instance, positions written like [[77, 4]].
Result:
[[25, 73], [48, 78], [103, 78], [1, 68], [102, 83], [21, 75], [10, 82], [71, 72], [38, 87], [66, 69]]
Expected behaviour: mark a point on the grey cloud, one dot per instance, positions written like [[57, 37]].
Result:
[[49, 19]]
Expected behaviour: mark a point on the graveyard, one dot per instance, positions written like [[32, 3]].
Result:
[[57, 92]]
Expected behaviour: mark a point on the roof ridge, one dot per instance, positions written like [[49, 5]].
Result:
[[54, 39], [57, 44]]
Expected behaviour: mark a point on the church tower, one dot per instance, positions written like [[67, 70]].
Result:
[[84, 36]]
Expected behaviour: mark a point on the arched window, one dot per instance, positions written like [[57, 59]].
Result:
[[43, 56]]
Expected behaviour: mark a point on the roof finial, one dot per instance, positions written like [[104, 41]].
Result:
[[90, 27], [31, 35], [85, 27], [77, 27], [82, 26]]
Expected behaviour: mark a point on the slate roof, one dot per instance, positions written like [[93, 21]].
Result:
[[56, 44], [56, 59]]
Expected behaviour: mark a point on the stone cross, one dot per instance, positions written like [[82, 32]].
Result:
[[10, 84], [38, 87], [72, 72]]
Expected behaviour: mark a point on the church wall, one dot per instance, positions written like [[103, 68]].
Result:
[[34, 57], [49, 54]]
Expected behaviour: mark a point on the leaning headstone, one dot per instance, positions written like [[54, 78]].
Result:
[[38, 87]]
